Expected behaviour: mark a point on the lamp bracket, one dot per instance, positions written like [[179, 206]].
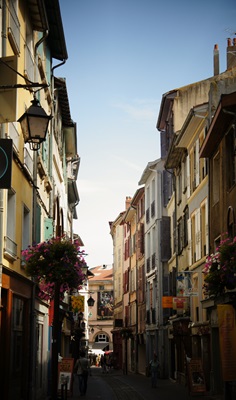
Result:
[[25, 86]]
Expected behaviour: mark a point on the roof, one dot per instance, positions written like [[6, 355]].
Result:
[[167, 99], [56, 38], [193, 120], [182, 138], [38, 15], [148, 171], [223, 117], [60, 84], [46, 16], [102, 273]]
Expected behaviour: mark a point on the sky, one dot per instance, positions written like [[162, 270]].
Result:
[[123, 55]]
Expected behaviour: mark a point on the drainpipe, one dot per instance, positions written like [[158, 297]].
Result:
[[4, 36]]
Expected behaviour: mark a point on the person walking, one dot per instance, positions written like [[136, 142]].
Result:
[[82, 370], [154, 367]]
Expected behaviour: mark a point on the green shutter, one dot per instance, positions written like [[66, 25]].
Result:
[[38, 224], [48, 228]]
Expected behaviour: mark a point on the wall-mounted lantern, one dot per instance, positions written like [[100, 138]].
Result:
[[91, 301], [34, 124]]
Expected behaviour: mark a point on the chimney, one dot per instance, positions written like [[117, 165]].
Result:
[[216, 60], [231, 53], [127, 202]]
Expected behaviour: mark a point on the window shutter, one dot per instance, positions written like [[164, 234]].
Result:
[[165, 239], [167, 187], [38, 224], [48, 228]]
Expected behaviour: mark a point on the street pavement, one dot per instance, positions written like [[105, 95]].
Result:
[[117, 386]]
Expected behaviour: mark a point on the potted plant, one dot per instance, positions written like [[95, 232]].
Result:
[[220, 268], [58, 260]]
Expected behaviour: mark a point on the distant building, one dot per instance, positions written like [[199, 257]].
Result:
[[100, 315]]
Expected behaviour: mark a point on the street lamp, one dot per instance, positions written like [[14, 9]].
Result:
[[34, 124], [91, 301]]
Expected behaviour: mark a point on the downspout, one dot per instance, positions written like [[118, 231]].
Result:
[[4, 36]]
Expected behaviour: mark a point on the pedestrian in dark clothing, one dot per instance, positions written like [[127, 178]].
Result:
[[154, 367], [82, 368]]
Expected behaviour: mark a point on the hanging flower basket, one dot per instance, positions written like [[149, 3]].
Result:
[[220, 269], [56, 260]]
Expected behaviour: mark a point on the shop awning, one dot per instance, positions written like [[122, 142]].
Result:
[[99, 346]]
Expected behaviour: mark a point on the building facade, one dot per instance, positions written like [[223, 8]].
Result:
[[100, 315], [39, 201]]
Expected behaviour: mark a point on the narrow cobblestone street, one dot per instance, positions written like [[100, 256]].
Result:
[[117, 386]]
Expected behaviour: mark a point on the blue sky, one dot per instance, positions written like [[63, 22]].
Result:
[[123, 55]]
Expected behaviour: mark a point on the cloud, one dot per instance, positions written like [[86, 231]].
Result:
[[128, 163], [140, 109]]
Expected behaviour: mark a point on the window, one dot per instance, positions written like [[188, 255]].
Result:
[[231, 157], [184, 180], [101, 338], [29, 51], [14, 26], [215, 180], [25, 228], [193, 169], [10, 247], [140, 244], [185, 227], [202, 161], [180, 235], [148, 198], [179, 188], [193, 235], [38, 224], [148, 205], [11, 214], [119, 287], [18, 342], [39, 369], [133, 280], [203, 230]]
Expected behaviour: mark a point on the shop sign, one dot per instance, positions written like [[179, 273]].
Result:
[[65, 375], [196, 378]]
